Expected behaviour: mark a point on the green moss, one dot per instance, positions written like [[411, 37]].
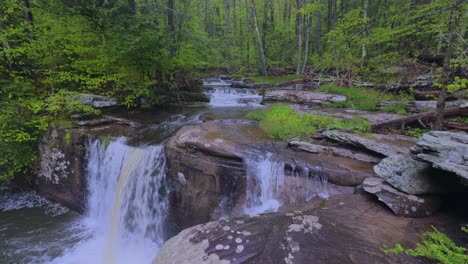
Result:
[[283, 123], [275, 79], [396, 108], [68, 138], [63, 123], [416, 132], [106, 140], [435, 246]]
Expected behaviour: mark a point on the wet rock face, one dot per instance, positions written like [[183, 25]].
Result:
[[321, 235], [61, 167], [302, 97], [445, 150], [205, 178], [400, 203]]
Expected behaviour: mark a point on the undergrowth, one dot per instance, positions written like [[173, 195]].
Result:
[[284, 123], [360, 98], [435, 246]]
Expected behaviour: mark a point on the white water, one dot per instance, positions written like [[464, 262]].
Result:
[[266, 183], [125, 208], [232, 97]]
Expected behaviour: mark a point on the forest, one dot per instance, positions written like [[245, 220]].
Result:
[[153, 49]]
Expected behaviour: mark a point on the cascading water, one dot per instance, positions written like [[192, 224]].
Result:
[[265, 179], [232, 97], [267, 182], [126, 205]]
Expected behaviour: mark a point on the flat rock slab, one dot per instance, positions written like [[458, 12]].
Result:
[[445, 150], [400, 203], [302, 97], [384, 144], [347, 229], [341, 152]]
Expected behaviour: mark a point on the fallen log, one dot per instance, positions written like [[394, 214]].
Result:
[[457, 126], [423, 117], [433, 95]]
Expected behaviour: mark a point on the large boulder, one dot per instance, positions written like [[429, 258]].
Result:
[[302, 97], [444, 150], [97, 101], [384, 144], [345, 229], [400, 203], [412, 176], [61, 166]]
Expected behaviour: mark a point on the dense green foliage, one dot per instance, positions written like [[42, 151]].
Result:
[[435, 246], [284, 123], [142, 51]]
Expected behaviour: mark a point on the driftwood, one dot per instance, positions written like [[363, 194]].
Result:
[[427, 116]]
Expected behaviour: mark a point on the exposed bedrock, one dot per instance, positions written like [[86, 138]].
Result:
[[344, 229], [207, 170]]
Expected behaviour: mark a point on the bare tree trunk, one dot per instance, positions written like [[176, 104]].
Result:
[[319, 33], [299, 19], [5, 44], [171, 26], [364, 34], [263, 67], [446, 71], [307, 48], [226, 28], [132, 6], [29, 17]]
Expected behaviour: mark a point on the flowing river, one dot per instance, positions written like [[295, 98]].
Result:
[[127, 199]]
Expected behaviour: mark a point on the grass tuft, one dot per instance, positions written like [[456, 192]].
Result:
[[281, 122]]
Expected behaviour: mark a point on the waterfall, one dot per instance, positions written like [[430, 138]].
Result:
[[126, 205], [265, 180], [232, 97], [268, 186]]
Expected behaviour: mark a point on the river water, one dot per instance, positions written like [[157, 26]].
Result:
[[127, 200]]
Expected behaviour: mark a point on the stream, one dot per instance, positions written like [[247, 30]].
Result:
[[127, 200]]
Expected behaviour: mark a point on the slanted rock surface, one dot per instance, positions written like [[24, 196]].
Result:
[[412, 176], [444, 150], [384, 144], [400, 203], [302, 97], [346, 229], [207, 168]]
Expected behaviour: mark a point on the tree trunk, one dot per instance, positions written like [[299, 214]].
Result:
[[132, 6], [364, 35], [299, 24], [447, 73], [263, 67], [171, 26], [226, 28], [307, 40]]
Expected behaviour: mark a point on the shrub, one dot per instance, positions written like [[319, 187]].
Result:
[[436, 246]]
